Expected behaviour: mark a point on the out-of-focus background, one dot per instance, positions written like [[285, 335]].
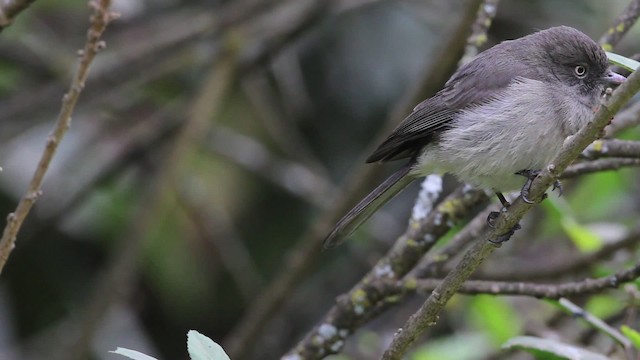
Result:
[[215, 142]]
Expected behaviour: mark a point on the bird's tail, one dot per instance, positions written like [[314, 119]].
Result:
[[370, 204]]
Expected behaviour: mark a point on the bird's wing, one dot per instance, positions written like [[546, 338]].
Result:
[[434, 114]]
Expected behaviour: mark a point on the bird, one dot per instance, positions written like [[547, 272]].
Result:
[[503, 115]]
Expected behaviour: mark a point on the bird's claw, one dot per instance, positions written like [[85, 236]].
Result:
[[531, 175], [558, 185], [491, 219], [506, 236]]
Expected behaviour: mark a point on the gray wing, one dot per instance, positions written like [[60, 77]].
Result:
[[476, 82]]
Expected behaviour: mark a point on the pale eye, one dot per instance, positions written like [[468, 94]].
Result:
[[580, 71]]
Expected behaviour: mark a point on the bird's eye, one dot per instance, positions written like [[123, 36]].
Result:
[[580, 71]]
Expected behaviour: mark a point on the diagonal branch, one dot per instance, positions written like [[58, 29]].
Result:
[[99, 21], [623, 23], [10, 9]]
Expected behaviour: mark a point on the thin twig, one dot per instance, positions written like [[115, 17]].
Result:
[[538, 290], [596, 322], [589, 167], [10, 9], [99, 21], [613, 148], [626, 119], [294, 177], [568, 266]]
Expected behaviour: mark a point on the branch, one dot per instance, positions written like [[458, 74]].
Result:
[[10, 9], [547, 291], [588, 167], [428, 313], [99, 21], [486, 12], [626, 119], [613, 148], [377, 290], [623, 23], [571, 265]]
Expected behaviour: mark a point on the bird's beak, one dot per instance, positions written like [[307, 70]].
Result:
[[614, 78]]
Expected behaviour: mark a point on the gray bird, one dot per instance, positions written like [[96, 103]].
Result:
[[503, 115]]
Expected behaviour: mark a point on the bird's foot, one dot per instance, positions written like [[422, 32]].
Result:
[[531, 175], [506, 236], [491, 219], [558, 185], [493, 216]]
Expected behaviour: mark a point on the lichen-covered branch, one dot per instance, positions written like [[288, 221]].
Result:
[[613, 148], [623, 23], [486, 12], [377, 290]]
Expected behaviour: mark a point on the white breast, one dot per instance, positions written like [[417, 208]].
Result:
[[487, 144]]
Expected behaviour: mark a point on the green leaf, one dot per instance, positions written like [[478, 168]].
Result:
[[468, 346], [623, 62], [632, 334], [201, 347], [583, 238], [551, 349], [132, 354], [495, 316], [603, 306]]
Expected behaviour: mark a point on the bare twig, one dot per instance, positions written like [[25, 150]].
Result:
[[613, 148], [217, 230], [568, 266], [99, 20], [597, 323], [547, 291], [293, 177], [588, 167], [10, 9], [626, 119]]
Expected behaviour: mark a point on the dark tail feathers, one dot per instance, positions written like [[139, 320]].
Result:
[[370, 204]]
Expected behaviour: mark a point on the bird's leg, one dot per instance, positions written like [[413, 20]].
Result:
[[491, 219], [531, 175]]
